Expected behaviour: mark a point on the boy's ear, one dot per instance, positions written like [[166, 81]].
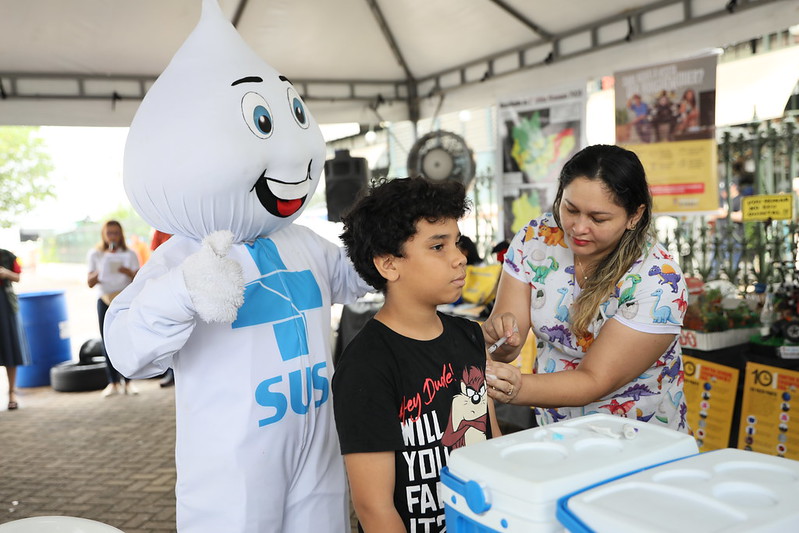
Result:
[[386, 266]]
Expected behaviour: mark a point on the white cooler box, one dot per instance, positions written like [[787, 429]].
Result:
[[512, 484], [729, 490]]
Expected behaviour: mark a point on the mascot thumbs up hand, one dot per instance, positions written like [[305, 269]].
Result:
[[214, 281], [224, 155]]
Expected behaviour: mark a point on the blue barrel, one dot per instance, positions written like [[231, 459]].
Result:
[[44, 318]]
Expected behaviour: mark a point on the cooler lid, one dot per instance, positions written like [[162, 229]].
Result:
[[545, 463], [729, 490]]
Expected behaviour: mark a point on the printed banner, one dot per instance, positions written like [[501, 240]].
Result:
[[767, 207], [666, 114], [710, 392], [537, 135], [770, 397]]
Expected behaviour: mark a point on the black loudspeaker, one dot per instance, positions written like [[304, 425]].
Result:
[[345, 178]]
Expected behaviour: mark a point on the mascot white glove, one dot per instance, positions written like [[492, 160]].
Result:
[[215, 282]]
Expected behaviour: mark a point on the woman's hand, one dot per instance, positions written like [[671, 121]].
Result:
[[504, 381], [128, 272], [511, 308], [501, 334]]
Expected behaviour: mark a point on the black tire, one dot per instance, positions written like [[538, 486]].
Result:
[[90, 349], [790, 331], [70, 376]]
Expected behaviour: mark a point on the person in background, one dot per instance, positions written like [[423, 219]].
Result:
[[500, 249], [140, 248], [403, 240], [13, 345], [729, 236], [112, 266], [159, 238], [604, 299], [469, 249]]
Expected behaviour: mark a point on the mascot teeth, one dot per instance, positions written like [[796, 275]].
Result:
[[288, 191]]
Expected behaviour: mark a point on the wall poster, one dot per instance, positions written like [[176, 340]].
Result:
[[770, 411], [667, 114], [537, 135], [710, 390]]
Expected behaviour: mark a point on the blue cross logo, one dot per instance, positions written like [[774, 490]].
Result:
[[279, 297]]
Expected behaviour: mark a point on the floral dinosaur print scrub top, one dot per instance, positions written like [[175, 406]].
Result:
[[651, 297]]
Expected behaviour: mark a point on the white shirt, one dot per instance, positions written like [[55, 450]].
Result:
[[107, 264]]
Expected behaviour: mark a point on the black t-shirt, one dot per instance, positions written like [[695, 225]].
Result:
[[420, 399]]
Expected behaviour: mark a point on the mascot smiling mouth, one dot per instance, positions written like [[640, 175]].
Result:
[[282, 198]]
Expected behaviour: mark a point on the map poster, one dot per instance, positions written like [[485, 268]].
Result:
[[666, 114], [770, 402], [537, 135], [710, 391]]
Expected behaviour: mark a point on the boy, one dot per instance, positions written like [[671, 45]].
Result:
[[410, 386]]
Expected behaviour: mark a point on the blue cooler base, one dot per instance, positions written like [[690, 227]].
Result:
[[458, 523]]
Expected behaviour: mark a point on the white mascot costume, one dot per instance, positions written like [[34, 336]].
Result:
[[224, 155]]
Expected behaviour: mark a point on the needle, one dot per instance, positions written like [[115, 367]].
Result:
[[500, 342]]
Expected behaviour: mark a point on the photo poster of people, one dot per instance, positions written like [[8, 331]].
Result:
[[666, 114], [537, 134]]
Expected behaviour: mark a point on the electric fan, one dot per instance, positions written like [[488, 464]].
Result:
[[442, 155]]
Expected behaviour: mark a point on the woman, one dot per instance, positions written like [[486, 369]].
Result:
[[13, 346], [592, 267], [688, 113], [112, 267]]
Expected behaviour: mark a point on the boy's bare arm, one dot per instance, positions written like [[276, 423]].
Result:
[[492, 414], [371, 478]]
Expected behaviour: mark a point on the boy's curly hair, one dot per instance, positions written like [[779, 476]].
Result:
[[385, 218]]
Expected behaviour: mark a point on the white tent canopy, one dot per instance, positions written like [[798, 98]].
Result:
[[89, 62]]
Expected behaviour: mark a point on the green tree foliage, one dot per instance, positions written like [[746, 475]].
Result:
[[25, 168]]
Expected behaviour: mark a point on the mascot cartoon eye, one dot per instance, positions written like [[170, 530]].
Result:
[[257, 115], [297, 108]]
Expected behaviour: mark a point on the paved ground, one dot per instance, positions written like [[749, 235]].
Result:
[[79, 454]]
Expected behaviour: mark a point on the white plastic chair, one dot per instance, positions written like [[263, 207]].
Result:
[[57, 524]]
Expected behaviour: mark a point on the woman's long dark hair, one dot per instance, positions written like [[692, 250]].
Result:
[[623, 175]]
